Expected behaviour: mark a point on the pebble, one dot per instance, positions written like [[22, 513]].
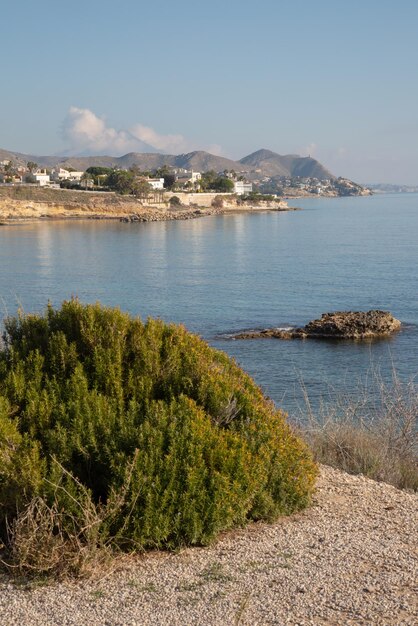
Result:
[[351, 558]]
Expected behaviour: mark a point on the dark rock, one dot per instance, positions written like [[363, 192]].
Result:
[[338, 325], [353, 325]]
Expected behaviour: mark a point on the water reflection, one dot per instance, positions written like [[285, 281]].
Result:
[[224, 273]]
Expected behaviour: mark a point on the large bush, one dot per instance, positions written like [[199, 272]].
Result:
[[167, 439]]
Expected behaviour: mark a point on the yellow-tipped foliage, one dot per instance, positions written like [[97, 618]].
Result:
[[166, 438]]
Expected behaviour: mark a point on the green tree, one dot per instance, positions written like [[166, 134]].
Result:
[[222, 184], [9, 171], [99, 173], [32, 166], [169, 180], [87, 179], [134, 168], [162, 171], [211, 181], [168, 175], [121, 181], [207, 179], [141, 189]]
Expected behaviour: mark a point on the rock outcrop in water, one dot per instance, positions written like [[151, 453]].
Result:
[[338, 325]]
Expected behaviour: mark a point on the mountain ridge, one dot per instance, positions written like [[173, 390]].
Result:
[[262, 162]]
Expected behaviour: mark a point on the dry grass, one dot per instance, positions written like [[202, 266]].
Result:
[[46, 540], [373, 431], [41, 544]]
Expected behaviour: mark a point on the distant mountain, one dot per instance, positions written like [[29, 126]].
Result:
[[255, 166], [201, 161], [273, 164], [198, 161]]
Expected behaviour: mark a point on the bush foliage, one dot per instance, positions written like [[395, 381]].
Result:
[[167, 439]]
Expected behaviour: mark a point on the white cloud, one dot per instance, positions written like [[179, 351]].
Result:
[[168, 143], [85, 132], [216, 149], [310, 149]]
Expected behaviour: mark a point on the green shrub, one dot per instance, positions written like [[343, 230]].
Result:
[[175, 202], [166, 438]]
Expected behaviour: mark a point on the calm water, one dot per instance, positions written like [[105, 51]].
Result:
[[226, 273]]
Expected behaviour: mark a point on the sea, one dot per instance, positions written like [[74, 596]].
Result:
[[218, 275]]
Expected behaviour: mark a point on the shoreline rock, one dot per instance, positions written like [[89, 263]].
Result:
[[357, 325]]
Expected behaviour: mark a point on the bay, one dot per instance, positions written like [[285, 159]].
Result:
[[222, 274]]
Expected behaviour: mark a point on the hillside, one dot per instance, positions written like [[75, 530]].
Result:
[[273, 164], [262, 162], [201, 161]]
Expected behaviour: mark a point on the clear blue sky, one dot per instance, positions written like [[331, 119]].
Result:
[[334, 79]]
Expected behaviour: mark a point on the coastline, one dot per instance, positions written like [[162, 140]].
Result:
[[28, 204], [39, 204]]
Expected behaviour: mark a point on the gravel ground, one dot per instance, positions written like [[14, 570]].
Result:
[[350, 559]]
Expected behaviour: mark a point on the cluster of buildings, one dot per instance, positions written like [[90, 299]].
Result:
[[185, 180], [298, 185], [311, 184], [42, 177], [287, 184]]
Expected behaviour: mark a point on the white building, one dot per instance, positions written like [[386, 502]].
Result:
[[189, 180], [156, 183], [242, 188], [62, 174], [41, 177], [195, 177]]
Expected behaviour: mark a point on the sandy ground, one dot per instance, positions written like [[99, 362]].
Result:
[[349, 559]]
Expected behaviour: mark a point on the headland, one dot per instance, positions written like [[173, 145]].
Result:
[[37, 203]]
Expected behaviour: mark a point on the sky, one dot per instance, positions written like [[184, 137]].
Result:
[[336, 80]]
